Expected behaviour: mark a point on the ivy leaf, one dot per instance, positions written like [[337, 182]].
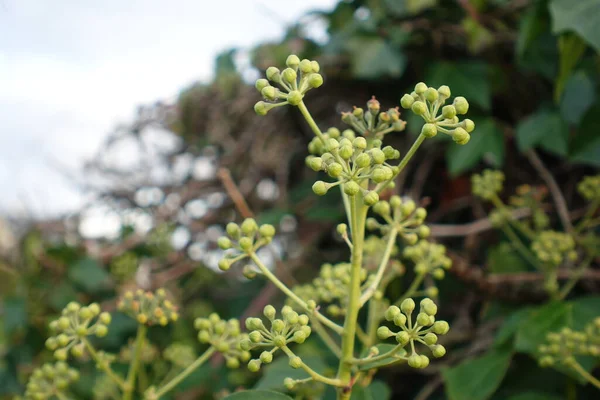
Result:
[[477, 379], [585, 146], [487, 142], [541, 321], [579, 16], [546, 129], [468, 79], [89, 275], [257, 395], [577, 97], [373, 57], [503, 259]]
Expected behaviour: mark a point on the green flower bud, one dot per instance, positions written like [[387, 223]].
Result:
[[269, 312], [315, 163], [303, 319], [292, 61], [423, 231], [249, 227], [295, 97], [320, 188], [407, 101], [429, 130], [315, 66], [270, 93], [299, 337], [295, 362], [420, 88], [334, 170], [438, 273], [382, 208], [224, 243], [101, 330], [419, 108], [400, 320], [383, 332], [351, 188], [431, 94], [460, 136], [441, 327], [444, 92], [266, 230], [424, 361], [346, 152], [289, 383], [449, 111], [261, 83], [273, 74], [378, 156], [423, 319], [279, 340], [253, 324], [342, 229], [64, 323], [51, 343], [415, 361], [363, 160], [60, 354], [430, 338], [402, 337], [289, 75], [438, 351], [62, 340], [461, 104], [77, 351], [225, 264], [391, 313], [81, 331], [254, 365], [360, 143], [428, 306], [266, 357], [468, 125], [305, 66], [371, 198], [407, 306], [105, 318], [203, 337]]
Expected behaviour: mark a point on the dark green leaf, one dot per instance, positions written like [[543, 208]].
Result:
[[89, 275], [257, 395], [534, 396], [510, 326], [468, 79], [377, 390], [546, 129], [383, 348], [577, 97], [487, 142], [503, 259], [579, 16], [477, 379], [541, 321], [585, 146]]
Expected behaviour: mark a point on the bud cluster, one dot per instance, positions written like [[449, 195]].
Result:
[[554, 247], [532, 197], [562, 347], [291, 328], [179, 354], [429, 258], [124, 266], [589, 188], [352, 161], [244, 239], [148, 308], [292, 84], [425, 329], [404, 216], [374, 124], [427, 101], [225, 336], [76, 323], [50, 381], [487, 184]]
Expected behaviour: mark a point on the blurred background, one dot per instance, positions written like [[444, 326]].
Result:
[[129, 140]]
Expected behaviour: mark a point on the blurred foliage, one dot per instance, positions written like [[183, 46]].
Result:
[[531, 71]]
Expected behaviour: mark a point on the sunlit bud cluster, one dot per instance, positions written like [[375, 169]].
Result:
[[243, 240], [179, 354], [74, 325], [50, 381], [422, 329], [288, 86], [428, 103], [429, 258], [487, 184], [372, 123], [554, 247], [148, 308], [352, 162], [225, 336], [589, 188], [124, 266], [563, 346], [290, 328], [404, 216]]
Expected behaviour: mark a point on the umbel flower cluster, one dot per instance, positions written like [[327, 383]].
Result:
[[50, 380], [149, 308]]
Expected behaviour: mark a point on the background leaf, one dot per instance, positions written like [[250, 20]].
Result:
[[545, 129], [468, 79], [579, 16], [257, 395]]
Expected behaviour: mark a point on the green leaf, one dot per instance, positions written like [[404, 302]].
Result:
[[546, 129], [579, 16], [257, 395], [14, 315], [534, 396], [510, 326], [487, 142], [577, 98], [278, 370], [377, 390], [503, 259], [373, 57], [541, 321], [383, 348], [477, 379], [89, 275], [585, 146], [468, 79]]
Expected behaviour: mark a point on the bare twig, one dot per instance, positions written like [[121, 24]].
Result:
[[477, 226], [234, 193]]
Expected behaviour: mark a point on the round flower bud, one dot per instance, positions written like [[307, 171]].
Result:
[[461, 104], [303, 319], [292, 61], [432, 291], [382, 208], [423, 319], [289, 383], [402, 337], [391, 313], [430, 338], [60, 354], [441, 327], [315, 80], [81, 331], [342, 229], [468, 125], [245, 344], [315, 163], [334, 170], [279, 340], [305, 66], [351, 188], [77, 351], [224, 243], [277, 325], [320, 188], [429, 130], [294, 97], [444, 92], [51, 343], [63, 340], [261, 108], [346, 152], [420, 88], [233, 229], [64, 323], [419, 108], [407, 101], [415, 361], [363, 160], [253, 324], [383, 332], [299, 337], [255, 337], [273, 74], [400, 320], [428, 306], [378, 156], [225, 264], [254, 365], [438, 273], [101, 330], [460, 136], [431, 94], [269, 92], [311, 305], [407, 306], [105, 318], [85, 313], [295, 362], [449, 111], [315, 66], [266, 357], [371, 198], [424, 361], [438, 351], [289, 75], [380, 175], [269, 311], [261, 84]]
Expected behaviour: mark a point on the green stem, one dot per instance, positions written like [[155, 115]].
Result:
[[309, 119], [135, 363], [388, 354], [368, 293], [574, 278], [411, 152], [588, 377], [520, 247], [185, 373], [265, 271], [588, 215], [103, 366], [372, 323], [514, 222], [411, 289], [313, 374], [326, 338]]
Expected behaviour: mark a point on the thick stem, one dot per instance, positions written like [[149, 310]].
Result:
[[411, 152], [309, 119], [381, 269], [185, 373], [135, 363]]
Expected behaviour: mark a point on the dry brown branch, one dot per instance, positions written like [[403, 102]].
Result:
[[234, 193], [477, 226]]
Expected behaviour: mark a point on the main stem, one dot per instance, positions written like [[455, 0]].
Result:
[[135, 362], [359, 213]]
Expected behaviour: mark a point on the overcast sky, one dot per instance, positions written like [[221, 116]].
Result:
[[72, 69]]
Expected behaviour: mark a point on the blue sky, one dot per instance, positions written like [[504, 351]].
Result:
[[70, 70]]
